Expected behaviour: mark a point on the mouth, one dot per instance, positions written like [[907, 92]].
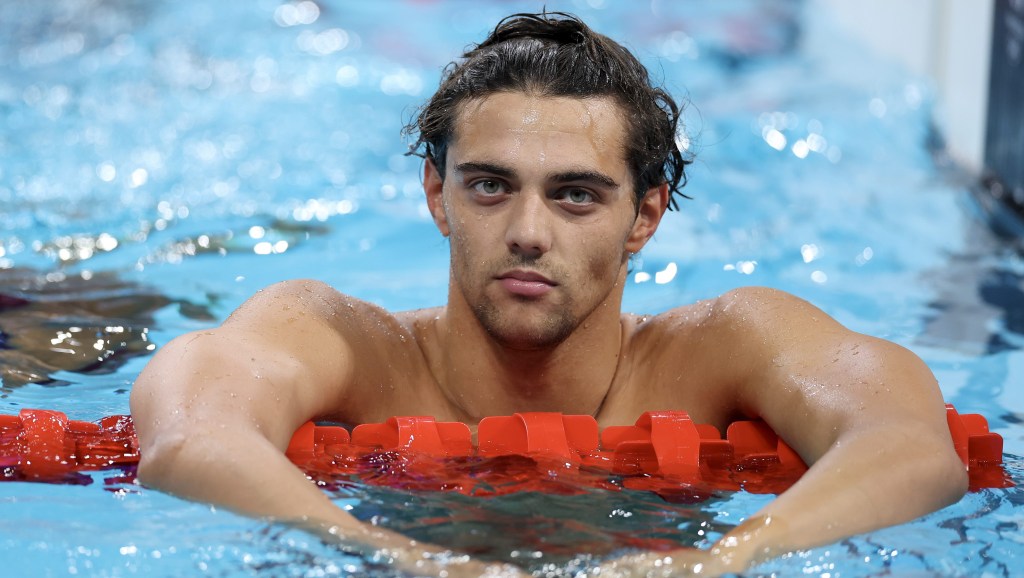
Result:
[[526, 283]]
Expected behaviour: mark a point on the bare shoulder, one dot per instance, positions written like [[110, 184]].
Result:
[[782, 349], [348, 342], [743, 308], [762, 310], [702, 356], [300, 323], [420, 319], [358, 322], [742, 314], [752, 329], [308, 307], [303, 297]]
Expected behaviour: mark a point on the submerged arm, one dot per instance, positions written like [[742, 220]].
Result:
[[214, 411]]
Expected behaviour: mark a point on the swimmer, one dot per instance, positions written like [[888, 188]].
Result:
[[550, 160]]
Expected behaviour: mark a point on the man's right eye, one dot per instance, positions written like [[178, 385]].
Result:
[[488, 187]]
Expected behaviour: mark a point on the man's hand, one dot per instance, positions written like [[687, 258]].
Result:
[[681, 562], [735, 552], [396, 550]]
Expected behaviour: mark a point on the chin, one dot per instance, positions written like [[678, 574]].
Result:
[[517, 332], [527, 343]]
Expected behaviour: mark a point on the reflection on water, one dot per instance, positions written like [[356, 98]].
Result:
[[567, 532], [83, 323]]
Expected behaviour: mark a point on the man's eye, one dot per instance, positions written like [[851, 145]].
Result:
[[488, 187], [578, 196]]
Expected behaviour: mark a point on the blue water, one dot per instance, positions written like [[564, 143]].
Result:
[[161, 161]]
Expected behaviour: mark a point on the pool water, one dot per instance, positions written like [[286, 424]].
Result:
[[162, 161]]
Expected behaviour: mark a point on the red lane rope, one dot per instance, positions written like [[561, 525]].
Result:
[[550, 452]]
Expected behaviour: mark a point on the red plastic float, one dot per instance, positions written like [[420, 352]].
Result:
[[663, 452]]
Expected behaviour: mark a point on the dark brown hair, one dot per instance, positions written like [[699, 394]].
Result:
[[556, 54]]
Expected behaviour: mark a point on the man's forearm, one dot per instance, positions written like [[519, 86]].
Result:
[[244, 473], [858, 486], [249, 475], [862, 483]]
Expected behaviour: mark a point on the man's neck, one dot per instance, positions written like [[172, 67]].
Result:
[[483, 377]]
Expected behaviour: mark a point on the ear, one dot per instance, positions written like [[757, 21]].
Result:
[[433, 187], [648, 217]]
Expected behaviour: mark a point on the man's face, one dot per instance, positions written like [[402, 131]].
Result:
[[538, 204]]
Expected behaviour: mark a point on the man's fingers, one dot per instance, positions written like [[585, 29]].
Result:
[[681, 562]]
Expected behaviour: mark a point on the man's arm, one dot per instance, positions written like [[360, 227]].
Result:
[[865, 414], [215, 409]]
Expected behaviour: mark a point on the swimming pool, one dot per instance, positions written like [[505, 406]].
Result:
[[161, 161]]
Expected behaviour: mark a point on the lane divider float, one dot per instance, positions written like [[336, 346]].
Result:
[[664, 451]]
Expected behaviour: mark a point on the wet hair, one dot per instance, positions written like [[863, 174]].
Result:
[[556, 54]]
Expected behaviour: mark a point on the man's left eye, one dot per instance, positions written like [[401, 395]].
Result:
[[578, 196]]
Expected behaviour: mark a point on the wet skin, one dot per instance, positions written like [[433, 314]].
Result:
[[538, 206]]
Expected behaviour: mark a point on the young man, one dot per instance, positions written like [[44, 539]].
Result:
[[550, 160]]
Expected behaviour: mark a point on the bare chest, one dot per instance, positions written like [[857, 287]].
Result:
[[659, 373]]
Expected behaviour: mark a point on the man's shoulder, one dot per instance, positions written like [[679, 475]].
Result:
[[318, 300], [651, 334], [715, 342], [353, 320], [738, 308], [420, 317]]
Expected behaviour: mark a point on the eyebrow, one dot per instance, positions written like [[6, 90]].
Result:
[[586, 176], [480, 167], [565, 177]]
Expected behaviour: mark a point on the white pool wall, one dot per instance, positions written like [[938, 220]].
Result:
[[948, 42]]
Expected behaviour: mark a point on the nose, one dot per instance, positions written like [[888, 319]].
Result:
[[528, 232]]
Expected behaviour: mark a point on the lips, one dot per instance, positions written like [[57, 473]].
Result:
[[526, 283]]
